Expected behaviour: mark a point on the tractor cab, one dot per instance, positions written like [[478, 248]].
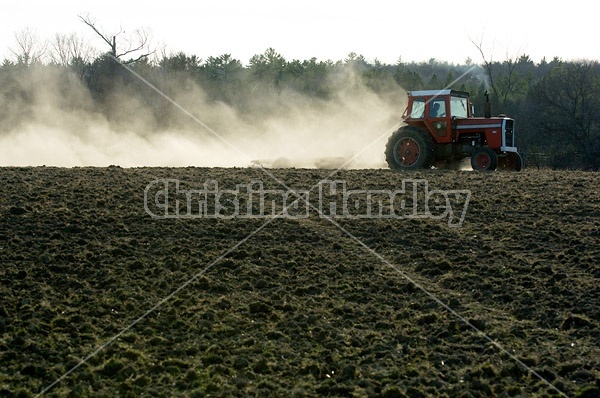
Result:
[[434, 110]]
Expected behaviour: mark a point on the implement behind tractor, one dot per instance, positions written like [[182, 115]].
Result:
[[440, 130]]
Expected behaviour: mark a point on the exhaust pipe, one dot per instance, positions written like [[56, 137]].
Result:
[[487, 108]]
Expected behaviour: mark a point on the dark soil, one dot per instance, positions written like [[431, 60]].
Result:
[[300, 307]]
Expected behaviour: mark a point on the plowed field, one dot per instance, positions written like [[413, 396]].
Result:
[[100, 298]]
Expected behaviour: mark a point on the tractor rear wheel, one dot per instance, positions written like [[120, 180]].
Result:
[[409, 148], [484, 159]]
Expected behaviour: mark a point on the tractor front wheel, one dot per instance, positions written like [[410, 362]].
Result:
[[512, 161], [484, 159], [409, 148]]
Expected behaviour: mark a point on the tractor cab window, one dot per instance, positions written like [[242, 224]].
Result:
[[418, 109], [458, 107], [437, 108]]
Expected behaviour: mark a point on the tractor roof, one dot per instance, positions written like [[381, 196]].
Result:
[[435, 93]]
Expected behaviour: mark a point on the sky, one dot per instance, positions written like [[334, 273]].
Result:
[[328, 30]]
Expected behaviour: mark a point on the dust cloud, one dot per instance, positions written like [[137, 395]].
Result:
[[60, 125]]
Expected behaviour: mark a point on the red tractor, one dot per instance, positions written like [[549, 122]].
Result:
[[440, 130]]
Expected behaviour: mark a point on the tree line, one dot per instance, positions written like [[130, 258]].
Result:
[[556, 104]]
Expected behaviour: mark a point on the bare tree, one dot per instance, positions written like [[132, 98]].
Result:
[[60, 52], [28, 48], [66, 49], [487, 64], [72, 51], [139, 43], [503, 76]]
